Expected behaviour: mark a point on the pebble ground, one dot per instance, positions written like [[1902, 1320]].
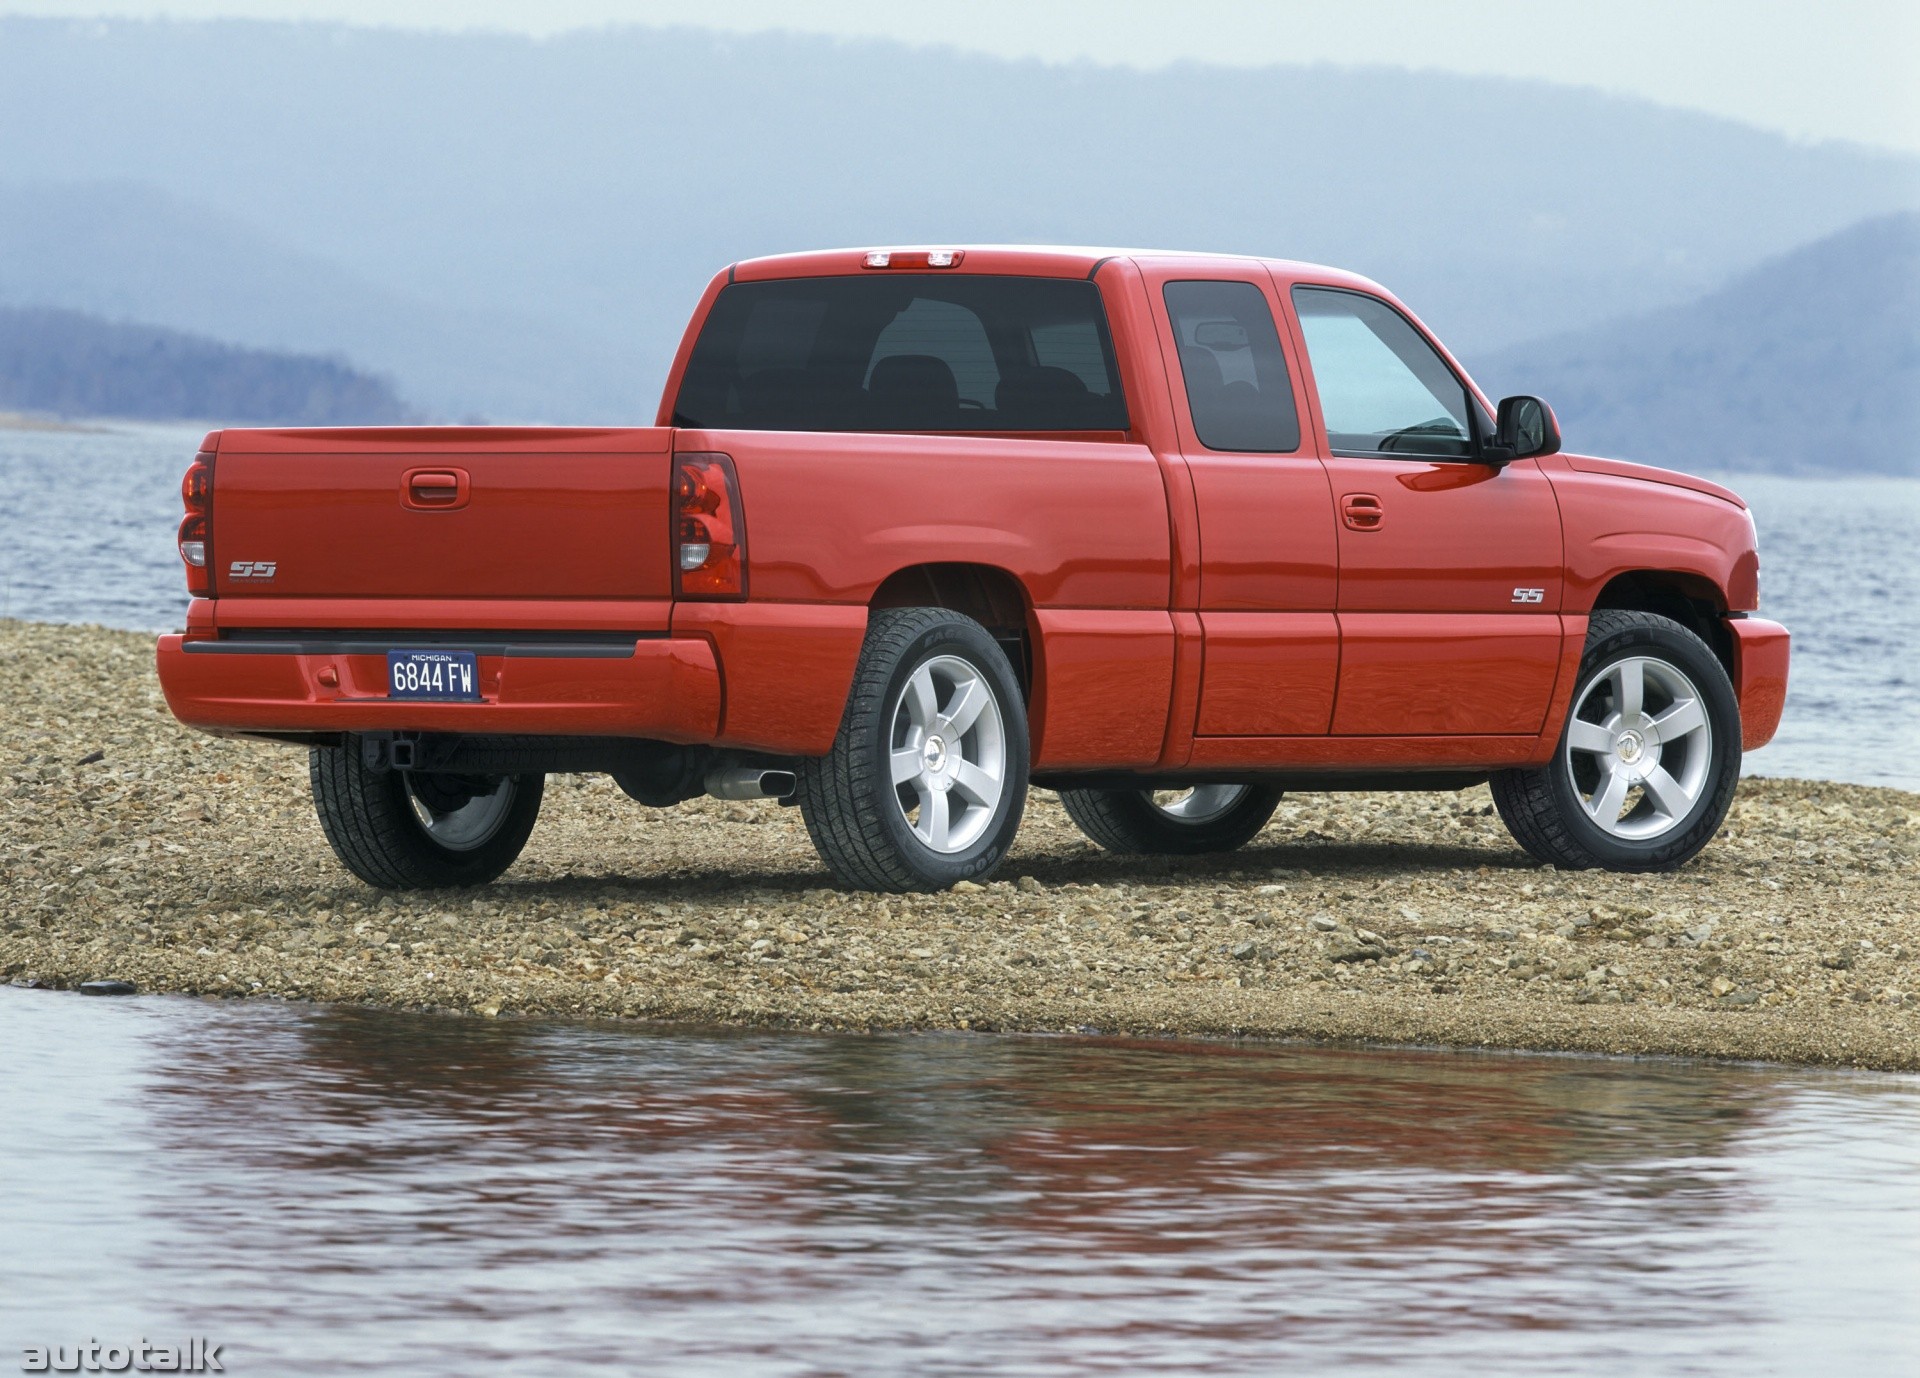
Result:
[[133, 849]]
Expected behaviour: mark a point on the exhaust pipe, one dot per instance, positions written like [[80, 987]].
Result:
[[751, 782]]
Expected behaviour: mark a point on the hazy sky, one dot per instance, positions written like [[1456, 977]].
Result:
[[1847, 69]]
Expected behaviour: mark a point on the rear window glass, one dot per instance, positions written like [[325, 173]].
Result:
[[904, 353], [1236, 375]]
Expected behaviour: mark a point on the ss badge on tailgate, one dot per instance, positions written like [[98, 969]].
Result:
[[1519, 595], [251, 569]]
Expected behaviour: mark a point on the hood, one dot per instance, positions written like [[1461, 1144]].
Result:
[[1673, 478]]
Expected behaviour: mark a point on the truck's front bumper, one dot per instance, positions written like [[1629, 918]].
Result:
[[1760, 653], [664, 688]]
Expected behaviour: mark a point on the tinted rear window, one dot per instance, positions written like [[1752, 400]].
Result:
[[905, 353]]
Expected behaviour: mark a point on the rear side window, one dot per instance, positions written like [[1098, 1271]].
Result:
[[1236, 374], [904, 353]]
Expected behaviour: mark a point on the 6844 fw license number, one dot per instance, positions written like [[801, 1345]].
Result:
[[433, 675]]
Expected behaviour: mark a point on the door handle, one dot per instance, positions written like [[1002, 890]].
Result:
[[1362, 511], [436, 490]]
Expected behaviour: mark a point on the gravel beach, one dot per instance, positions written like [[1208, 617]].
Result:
[[135, 850]]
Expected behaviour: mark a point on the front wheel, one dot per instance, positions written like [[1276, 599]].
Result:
[[927, 778], [1141, 822], [414, 830], [1647, 764]]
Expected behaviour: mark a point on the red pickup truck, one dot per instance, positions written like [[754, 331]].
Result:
[[916, 528]]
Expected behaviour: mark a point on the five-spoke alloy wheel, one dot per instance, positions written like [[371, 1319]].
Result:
[[1171, 822], [1647, 762], [1638, 748], [927, 779], [948, 754]]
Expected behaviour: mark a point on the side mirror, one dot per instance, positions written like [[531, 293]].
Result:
[[1524, 429]]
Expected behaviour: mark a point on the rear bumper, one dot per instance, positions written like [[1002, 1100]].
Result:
[[1760, 654], [769, 677], [664, 688]]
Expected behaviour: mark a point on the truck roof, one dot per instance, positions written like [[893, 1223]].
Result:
[[1020, 260]]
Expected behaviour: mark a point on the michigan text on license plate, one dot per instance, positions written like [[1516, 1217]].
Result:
[[432, 675]]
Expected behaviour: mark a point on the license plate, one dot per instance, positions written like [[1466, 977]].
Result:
[[432, 675]]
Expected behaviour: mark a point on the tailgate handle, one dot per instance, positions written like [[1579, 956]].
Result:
[[435, 490]]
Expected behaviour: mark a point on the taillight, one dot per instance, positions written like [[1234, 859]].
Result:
[[196, 528], [709, 529]]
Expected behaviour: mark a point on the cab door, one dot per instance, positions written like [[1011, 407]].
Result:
[[1267, 553], [1450, 569]]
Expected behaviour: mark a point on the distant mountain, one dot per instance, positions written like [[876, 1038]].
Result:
[[72, 364], [1809, 362], [519, 226], [131, 252]]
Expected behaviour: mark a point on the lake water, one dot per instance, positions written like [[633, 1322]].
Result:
[[331, 1191], [88, 536]]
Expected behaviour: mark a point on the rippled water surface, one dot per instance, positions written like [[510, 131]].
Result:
[[332, 1191], [1840, 565], [89, 525], [88, 537]]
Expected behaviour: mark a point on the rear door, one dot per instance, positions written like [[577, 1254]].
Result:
[[1267, 554], [524, 523], [1450, 570]]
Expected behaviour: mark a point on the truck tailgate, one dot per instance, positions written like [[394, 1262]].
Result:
[[522, 517]]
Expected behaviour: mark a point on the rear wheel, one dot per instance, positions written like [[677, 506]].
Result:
[[1647, 762], [1185, 822], [412, 830], [927, 779]]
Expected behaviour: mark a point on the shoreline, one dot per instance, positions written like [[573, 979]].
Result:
[[666, 1027], [1521, 1038], [28, 421], [192, 865]]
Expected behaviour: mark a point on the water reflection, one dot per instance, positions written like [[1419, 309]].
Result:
[[385, 1192]]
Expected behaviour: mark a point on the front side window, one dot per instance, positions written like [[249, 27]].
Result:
[[1383, 389], [1236, 375], [913, 352]]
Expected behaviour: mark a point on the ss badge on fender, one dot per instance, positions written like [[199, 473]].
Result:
[[251, 569], [1529, 595]]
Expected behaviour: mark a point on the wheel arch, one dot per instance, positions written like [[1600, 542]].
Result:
[[992, 596], [1692, 600]]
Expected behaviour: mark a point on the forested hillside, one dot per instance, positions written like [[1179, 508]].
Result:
[[67, 363], [1810, 362]]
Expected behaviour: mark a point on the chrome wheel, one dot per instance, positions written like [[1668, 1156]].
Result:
[[1639, 748], [1200, 804], [456, 819], [948, 754]]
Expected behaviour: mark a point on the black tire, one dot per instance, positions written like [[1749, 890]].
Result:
[[1129, 822], [1543, 807], [369, 817], [856, 815]]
